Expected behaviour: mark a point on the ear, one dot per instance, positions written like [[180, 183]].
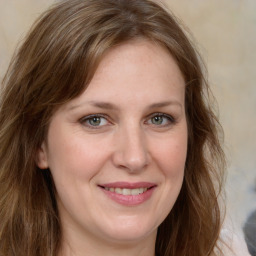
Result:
[[41, 157]]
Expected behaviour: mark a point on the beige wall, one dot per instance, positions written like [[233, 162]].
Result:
[[226, 35], [16, 16]]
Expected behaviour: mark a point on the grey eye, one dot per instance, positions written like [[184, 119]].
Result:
[[94, 121], [157, 120], [161, 120]]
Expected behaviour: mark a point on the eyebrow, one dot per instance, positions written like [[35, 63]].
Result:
[[110, 106], [165, 104]]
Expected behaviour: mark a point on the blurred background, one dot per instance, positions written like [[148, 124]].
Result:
[[225, 34]]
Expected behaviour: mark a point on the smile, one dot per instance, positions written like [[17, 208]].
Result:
[[127, 191], [129, 194]]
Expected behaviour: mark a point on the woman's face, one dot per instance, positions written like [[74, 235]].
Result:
[[117, 152]]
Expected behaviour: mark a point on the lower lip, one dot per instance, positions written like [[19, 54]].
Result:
[[129, 200]]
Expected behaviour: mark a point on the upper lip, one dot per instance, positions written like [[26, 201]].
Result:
[[130, 185]]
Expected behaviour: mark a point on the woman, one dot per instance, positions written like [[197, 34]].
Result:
[[108, 144]]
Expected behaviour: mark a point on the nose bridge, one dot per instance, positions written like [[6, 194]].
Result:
[[131, 151]]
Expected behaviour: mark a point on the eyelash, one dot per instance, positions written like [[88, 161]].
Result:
[[86, 119], [170, 119]]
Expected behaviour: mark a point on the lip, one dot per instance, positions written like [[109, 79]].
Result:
[[129, 185], [129, 200]]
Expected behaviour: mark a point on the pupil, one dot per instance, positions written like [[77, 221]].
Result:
[[157, 120], [95, 121]]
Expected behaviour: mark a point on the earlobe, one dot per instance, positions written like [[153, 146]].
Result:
[[41, 157]]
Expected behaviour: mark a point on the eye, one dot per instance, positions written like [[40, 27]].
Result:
[[94, 121], [161, 119]]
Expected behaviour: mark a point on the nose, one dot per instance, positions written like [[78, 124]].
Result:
[[131, 151]]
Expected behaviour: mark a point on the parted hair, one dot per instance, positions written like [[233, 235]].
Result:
[[55, 64]]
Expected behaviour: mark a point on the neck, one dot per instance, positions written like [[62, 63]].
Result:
[[94, 247], [108, 250]]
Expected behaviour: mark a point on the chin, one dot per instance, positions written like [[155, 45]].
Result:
[[130, 232]]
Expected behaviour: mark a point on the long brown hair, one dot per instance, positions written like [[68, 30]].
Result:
[[54, 64]]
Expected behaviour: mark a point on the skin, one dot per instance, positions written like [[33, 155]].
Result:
[[131, 141]]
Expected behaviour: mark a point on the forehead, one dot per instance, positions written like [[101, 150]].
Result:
[[134, 71], [128, 56]]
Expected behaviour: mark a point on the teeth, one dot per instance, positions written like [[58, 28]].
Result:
[[127, 191]]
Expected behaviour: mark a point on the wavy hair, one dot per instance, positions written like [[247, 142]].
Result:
[[54, 64]]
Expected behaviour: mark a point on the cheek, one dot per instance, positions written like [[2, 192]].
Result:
[[170, 159], [73, 165], [74, 157], [173, 165], [171, 156]]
